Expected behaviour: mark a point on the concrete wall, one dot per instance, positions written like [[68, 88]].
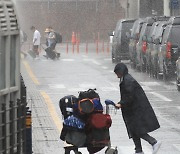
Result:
[[133, 8], [88, 18], [142, 8]]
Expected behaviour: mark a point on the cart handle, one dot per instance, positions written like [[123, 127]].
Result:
[[109, 102]]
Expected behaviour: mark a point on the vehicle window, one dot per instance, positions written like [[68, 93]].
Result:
[[159, 31], [166, 34], [126, 26], [134, 28], [148, 29], [152, 30], [116, 32], [174, 36], [143, 31]]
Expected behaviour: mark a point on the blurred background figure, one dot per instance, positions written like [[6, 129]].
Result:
[[36, 41], [23, 38]]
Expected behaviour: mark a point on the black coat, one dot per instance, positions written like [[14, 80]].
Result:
[[137, 112]]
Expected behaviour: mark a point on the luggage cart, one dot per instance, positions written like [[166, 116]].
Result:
[[110, 150]]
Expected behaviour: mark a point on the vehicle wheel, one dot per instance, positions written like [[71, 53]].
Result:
[[138, 67], [164, 74], [150, 70], [159, 76], [133, 66], [143, 66], [113, 58], [153, 72], [148, 63], [147, 68], [178, 87], [156, 67]]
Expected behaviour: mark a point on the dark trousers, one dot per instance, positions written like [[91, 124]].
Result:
[[35, 49], [146, 137], [68, 150]]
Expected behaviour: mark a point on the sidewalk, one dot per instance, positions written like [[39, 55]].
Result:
[[45, 135]]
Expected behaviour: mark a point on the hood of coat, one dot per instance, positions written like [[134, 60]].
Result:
[[121, 68]]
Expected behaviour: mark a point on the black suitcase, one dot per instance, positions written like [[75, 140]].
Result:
[[50, 53]]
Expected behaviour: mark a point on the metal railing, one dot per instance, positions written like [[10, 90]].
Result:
[[15, 128]]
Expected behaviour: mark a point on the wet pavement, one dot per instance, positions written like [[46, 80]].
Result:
[[47, 81]]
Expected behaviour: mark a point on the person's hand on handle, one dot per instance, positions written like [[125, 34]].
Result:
[[118, 105]]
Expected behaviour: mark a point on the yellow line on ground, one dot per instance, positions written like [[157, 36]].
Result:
[[46, 97], [30, 72], [52, 110]]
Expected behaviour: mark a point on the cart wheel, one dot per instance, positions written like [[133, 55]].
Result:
[[111, 150]]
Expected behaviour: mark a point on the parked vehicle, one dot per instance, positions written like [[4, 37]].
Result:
[[154, 48], [168, 51], [174, 20], [120, 42], [178, 74], [134, 37], [151, 52], [141, 45], [150, 43]]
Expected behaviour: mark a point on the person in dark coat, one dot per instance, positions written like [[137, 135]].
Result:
[[137, 112]]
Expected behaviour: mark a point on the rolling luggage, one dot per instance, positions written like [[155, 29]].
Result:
[[50, 54]]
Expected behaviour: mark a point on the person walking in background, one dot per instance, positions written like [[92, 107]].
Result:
[[47, 36], [36, 41], [52, 39], [137, 112]]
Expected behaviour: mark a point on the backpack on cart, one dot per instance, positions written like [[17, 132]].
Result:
[[58, 37], [90, 93], [66, 105], [89, 101], [99, 121]]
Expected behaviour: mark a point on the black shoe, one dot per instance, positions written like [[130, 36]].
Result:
[[45, 56], [58, 55]]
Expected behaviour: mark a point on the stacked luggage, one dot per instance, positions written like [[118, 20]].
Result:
[[85, 124]]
